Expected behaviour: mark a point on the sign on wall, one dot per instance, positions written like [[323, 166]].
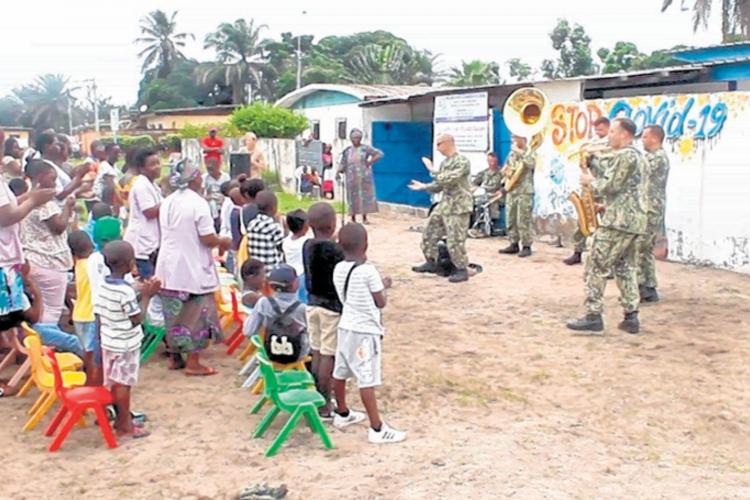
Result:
[[709, 182], [465, 117]]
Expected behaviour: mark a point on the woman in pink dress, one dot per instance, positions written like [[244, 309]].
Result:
[[186, 268]]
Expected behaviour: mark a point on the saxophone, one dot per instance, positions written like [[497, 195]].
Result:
[[584, 202]]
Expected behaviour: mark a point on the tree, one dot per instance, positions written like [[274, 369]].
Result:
[[621, 58], [163, 44], [474, 73], [45, 102], [574, 47], [735, 17], [240, 57], [519, 69], [180, 89]]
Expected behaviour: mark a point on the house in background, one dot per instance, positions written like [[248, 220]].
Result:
[[23, 134], [333, 110], [171, 120]]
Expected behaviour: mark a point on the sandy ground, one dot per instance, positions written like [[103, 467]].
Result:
[[499, 399]]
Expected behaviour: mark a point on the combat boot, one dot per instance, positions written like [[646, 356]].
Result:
[[459, 275], [589, 323], [573, 259], [649, 294], [526, 252], [428, 267], [510, 249], [630, 324]]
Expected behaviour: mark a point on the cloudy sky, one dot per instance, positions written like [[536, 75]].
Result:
[[84, 38]]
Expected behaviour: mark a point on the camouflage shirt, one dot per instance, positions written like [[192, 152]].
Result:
[[452, 179], [657, 171], [621, 189], [490, 180], [517, 160]]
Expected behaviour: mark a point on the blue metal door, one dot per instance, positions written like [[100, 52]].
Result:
[[403, 145], [501, 142]]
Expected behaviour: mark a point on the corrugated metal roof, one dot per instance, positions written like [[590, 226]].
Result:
[[717, 46], [361, 92]]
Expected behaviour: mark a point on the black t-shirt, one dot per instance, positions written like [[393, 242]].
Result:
[[320, 257]]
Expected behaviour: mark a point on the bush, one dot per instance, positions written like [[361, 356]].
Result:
[[268, 122], [173, 142], [200, 131], [128, 142]]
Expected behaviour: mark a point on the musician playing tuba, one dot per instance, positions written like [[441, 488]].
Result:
[[590, 155]]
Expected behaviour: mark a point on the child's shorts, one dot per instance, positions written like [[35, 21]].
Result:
[[358, 355], [88, 334], [322, 325], [121, 367]]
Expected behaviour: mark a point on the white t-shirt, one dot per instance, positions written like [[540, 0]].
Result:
[[360, 313], [212, 186], [11, 251], [143, 233], [226, 217], [115, 304], [97, 271], [105, 169], [293, 252]]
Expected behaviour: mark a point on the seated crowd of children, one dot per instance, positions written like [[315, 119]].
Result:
[[312, 297]]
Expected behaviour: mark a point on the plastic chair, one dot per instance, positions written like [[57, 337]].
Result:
[[254, 381], [76, 401], [236, 338], [290, 379], [152, 337], [67, 360], [45, 382], [297, 402]]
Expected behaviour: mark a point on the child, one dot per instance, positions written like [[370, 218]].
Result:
[[253, 282], [296, 222], [18, 187], [264, 234], [292, 344], [98, 210], [121, 334], [358, 352], [320, 256], [84, 320], [212, 182]]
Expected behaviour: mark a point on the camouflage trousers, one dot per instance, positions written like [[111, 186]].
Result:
[[646, 261], [454, 229], [579, 241], [519, 211], [612, 249]]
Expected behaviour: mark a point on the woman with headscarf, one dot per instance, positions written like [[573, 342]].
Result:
[[356, 162], [186, 269]]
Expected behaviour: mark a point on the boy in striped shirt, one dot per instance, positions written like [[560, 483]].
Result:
[[120, 319]]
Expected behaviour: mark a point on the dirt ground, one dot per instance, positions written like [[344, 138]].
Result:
[[498, 398]]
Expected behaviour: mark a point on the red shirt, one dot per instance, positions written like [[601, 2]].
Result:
[[212, 142]]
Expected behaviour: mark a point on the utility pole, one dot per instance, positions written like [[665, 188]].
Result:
[[96, 105], [70, 114], [299, 56]]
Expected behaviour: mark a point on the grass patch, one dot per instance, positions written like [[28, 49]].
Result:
[[289, 202]]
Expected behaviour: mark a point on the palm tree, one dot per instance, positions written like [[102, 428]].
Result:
[[240, 57], [735, 17], [390, 64], [164, 45], [45, 102], [474, 73]]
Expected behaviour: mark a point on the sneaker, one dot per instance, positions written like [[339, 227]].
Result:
[[386, 435], [354, 417]]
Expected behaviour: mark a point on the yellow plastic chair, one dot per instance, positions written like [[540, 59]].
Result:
[[45, 382], [67, 361]]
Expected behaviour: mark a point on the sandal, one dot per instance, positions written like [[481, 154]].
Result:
[[205, 372]]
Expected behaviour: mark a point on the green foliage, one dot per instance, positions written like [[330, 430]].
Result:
[[574, 48], [268, 121], [226, 129], [127, 142], [163, 44], [289, 202], [735, 17], [519, 70], [179, 89], [172, 141], [474, 73], [625, 56]]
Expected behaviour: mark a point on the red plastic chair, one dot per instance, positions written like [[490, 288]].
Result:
[[236, 339], [77, 400]]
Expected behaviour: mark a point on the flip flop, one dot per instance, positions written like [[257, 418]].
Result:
[[138, 433], [204, 373]]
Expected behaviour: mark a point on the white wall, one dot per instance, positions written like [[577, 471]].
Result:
[[561, 90], [328, 116]]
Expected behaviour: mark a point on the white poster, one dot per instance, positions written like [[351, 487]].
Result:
[[466, 118]]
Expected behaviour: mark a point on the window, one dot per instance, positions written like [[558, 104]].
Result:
[[315, 129], [341, 128]]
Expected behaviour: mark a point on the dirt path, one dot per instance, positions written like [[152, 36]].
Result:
[[498, 398]]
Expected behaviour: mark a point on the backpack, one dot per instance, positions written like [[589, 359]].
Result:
[[284, 336]]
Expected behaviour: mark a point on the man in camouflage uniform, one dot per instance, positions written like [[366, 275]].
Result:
[[621, 191], [601, 129], [450, 219], [491, 180], [519, 203], [657, 171]]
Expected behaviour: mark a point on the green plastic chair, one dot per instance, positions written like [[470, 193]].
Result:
[[297, 402], [152, 337], [287, 379]]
